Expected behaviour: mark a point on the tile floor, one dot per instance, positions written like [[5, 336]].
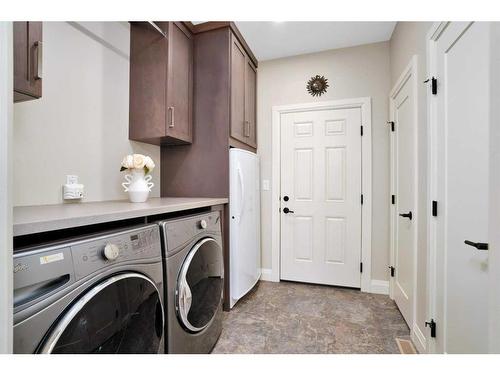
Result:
[[291, 317]]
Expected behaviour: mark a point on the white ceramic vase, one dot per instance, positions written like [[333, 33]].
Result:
[[137, 185]]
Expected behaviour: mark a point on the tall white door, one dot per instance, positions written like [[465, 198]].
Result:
[[321, 196], [404, 188], [462, 125]]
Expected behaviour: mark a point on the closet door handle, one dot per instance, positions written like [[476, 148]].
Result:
[[171, 123], [408, 215], [477, 245], [286, 210]]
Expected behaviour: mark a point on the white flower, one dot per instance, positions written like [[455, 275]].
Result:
[[149, 163], [138, 161], [128, 162]]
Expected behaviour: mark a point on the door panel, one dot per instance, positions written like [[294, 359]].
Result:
[[238, 72], [27, 38], [180, 83], [321, 174], [404, 159], [250, 100], [244, 203], [462, 114]]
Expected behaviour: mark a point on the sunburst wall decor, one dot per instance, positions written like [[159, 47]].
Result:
[[317, 85]]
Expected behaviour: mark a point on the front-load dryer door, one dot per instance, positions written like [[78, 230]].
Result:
[[200, 285], [123, 314]]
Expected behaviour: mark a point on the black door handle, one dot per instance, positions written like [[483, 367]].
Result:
[[477, 245], [408, 215], [286, 210]]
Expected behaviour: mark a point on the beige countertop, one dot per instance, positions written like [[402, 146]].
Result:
[[37, 219]]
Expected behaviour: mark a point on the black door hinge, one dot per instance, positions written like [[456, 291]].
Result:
[[393, 270], [361, 267], [393, 199], [434, 85], [361, 198], [361, 130], [391, 123], [432, 326], [434, 208]]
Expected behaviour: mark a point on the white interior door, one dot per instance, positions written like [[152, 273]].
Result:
[[403, 105], [321, 186], [461, 187]]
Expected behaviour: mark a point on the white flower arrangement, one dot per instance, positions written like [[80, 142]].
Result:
[[137, 161]]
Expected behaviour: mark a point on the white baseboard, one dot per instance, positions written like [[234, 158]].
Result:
[[266, 274], [379, 287], [418, 339]]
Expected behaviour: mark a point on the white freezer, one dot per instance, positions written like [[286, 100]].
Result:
[[244, 203]]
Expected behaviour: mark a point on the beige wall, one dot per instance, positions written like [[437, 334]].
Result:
[[408, 39], [352, 72], [80, 125]]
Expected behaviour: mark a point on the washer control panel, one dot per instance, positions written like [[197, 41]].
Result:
[[179, 232], [100, 252]]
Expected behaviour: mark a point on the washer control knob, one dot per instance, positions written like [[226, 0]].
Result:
[[203, 224], [111, 251]]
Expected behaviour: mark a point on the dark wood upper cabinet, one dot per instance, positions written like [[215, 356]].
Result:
[[27, 60], [161, 83], [243, 95]]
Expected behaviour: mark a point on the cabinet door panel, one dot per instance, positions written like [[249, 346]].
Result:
[[27, 60], [250, 131], [148, 77], [238, 63], [180, 83]]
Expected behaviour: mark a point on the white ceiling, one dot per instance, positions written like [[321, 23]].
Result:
[[272, 40]]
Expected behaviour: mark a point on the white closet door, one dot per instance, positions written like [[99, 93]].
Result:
[[403, 104], [462, 106]]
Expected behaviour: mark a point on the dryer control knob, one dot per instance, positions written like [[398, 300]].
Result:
[[203, 224], [111, 251]]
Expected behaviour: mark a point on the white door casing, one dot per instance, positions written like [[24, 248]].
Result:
[[404, 182], [364, 104], [321, 176], [459, 58]]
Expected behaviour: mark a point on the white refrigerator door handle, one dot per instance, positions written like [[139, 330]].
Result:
[[242, 185]]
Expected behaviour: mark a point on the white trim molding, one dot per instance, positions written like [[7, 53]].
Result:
[[6, 120], [364, 104], [266, 274], [380, 287], [418, 339]]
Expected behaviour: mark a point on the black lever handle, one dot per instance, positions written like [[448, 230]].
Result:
[[477, 245], [408, 215], [286, 210]]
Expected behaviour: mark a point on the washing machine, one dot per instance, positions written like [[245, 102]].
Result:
[[194, 278], [98, 294]]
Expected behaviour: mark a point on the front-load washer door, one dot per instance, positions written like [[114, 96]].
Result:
[[123, 314], [200, 285]]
